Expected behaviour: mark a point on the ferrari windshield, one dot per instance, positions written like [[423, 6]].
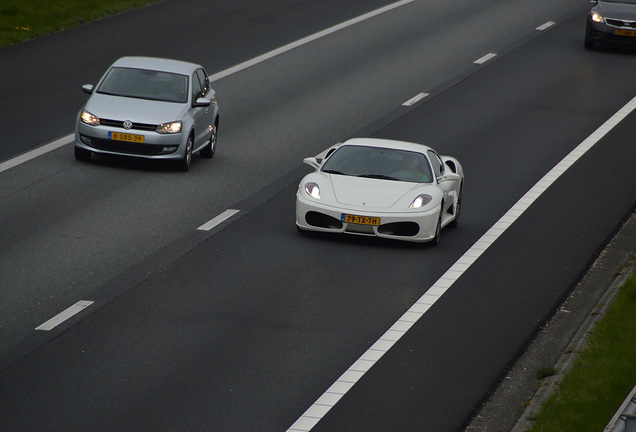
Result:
[[145, 84], [380, 163]]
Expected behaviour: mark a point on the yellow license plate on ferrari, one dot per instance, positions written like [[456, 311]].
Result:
[[631, 33], [360, 220], [126, 137]]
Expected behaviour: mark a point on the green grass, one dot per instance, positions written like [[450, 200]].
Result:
[[21, 20], [602, 376], [544, 372]]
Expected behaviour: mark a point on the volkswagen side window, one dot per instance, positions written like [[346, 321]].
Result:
[[196, 88], [205, 82]]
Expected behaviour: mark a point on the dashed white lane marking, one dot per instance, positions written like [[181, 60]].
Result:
[[415, 99], [306, 40], [347, 380], [485, 58], [218, 220], [63, 316], [25, 157], [545, 26]]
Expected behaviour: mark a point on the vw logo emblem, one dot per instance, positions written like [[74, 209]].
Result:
[[127, 124]]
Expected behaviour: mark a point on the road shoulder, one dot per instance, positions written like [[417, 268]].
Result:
[[520, 395]]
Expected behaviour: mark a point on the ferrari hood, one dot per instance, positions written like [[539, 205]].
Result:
[[369, 193]]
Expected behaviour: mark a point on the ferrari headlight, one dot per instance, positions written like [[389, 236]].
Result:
[[170, 128], [596, 17], [89, 118], [312, 190], [421, 201]]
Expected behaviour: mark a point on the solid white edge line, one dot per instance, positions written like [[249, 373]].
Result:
[[415, 99], [347, 380], [306, 40], [485, 58], [63, 316], [32, 154], [218, 220], [545, 26]]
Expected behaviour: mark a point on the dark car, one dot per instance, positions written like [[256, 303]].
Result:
[[612, 21]]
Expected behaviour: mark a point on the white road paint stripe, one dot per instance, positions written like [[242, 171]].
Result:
[[25, 157], [347, 380], [485, 58], [63, 316], [545, 26], [218, 219], [306, 40], [415, 99]]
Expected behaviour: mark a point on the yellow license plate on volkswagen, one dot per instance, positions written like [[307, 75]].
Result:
[[360, 220], [125, 137]]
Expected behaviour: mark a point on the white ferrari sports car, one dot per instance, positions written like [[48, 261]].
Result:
[[382, 188]]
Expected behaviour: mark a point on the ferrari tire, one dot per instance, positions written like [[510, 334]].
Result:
[[438, 230], [458, 208]]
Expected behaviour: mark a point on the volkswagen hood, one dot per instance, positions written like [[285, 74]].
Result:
[[136, 110]]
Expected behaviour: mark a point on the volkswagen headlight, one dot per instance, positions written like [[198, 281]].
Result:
[[170, 128], [89, 118]]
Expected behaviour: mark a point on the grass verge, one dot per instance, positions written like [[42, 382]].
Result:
[[602, 376], [22, 20]]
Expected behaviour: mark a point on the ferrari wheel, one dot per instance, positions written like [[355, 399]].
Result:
[[438, 231], [458, 207]]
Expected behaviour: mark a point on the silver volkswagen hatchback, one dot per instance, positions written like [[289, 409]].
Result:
[[149, 108]]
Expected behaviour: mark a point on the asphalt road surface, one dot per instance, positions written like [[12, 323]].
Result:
[[245, 326]]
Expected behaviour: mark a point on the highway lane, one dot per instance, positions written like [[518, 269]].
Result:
[[438, 373], [222, 34], [126, 212], [117, 221], [247, 330], [40, 79]]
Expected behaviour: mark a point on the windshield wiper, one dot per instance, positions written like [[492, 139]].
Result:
[[109, 93], [379, 176], [328, 171]]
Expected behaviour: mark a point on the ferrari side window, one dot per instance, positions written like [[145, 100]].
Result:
[[436, 162]]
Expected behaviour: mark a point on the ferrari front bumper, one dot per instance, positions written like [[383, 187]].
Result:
[[413, 226]]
